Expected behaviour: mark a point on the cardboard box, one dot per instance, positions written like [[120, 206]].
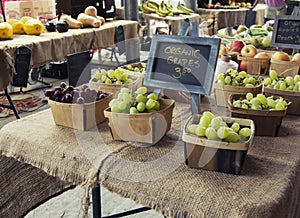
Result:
[[144, 128], [216, 155], [79, 116], [35, 9]]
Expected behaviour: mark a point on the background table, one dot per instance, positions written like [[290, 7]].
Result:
[[54, 46], [157, 177]]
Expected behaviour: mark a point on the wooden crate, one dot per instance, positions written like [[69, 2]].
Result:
[[267, 122], [292, 96], [113, 88], [285, 68], [223, 92], [146, 128], [216, 155], [79, 116], [255, 66]]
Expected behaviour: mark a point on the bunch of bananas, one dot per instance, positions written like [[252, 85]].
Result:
[[164, 9]]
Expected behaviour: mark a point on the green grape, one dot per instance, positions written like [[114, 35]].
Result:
[[216, 122], [103, 72], [246, 132], [249, 85], [273, 75], [211, 133], [282, 86], [108, 81], [204, 121], [249, 96], [152, 96], [128, 81], [223, 132], [256, 107], [112, 102], [118, 82], [191, 128], [242, 74], [133, 110], [141, 98], [115, 108], [157, 106], [232, 137], [150, 104], [235, 127], [289, 80], [277, 86], [200, 131], [126, 97], [247, 80], [262, 98], [141, 90], [244, 106], [290, 88], [136, 69], [122, 105], [103, 78], [297, 78], [97, 76], [141, 106], [221, 82], [255, 101], [111, 74], [268, 81], [208, 114], [227, 80], [237, 103], [125, 90], [279, 106], [221, 77]]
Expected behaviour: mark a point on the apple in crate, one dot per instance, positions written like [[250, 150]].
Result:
[[296, 58], [237, 45], [263, 55], [249, 51], [280, 56]]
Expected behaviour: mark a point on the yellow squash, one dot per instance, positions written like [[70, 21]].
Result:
[[18, 26], [6, 30], [33, 27]]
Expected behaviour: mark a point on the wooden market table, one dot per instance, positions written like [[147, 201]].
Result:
[[157, 176], [54, 46], [174, 22]]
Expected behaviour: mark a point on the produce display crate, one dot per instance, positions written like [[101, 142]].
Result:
[[139, 65], [216, 155], [223, 92], [285, 68], [113, 88], [292, 96], [256, 66], [146, 128], [79, 116], [267, 122]]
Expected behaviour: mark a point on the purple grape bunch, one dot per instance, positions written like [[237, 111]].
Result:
[[68, 94]]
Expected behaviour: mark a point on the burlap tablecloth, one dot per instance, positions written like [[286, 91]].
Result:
[[269, 185], [54, 46]]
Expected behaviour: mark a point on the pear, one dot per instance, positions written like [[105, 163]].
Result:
[[241, 28], [266, 42]]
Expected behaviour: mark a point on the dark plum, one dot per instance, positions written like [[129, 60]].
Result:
[[68, 98], [63, 85], [80, 100], [49, 93]]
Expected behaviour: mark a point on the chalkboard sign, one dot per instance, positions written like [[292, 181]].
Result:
[[183, 63], [286, 32]]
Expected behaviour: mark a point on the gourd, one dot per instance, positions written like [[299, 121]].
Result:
[[6, 30], [73, 23], [33, 27], [92, 11], [88, 20], [62, 26], [17, 25]]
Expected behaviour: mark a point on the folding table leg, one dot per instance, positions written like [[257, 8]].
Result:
[[11, 106], [96, 198]]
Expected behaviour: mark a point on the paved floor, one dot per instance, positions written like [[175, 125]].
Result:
[[68, 204]]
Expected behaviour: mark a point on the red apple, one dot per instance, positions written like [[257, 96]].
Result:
[[263, 55], [236, 46], [280, 56], [249, 51], [243, 66]]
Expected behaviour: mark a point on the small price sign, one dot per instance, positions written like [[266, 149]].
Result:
[[286, 32], [182, 63]]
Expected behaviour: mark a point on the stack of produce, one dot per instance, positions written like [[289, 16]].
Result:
[[164, 9]]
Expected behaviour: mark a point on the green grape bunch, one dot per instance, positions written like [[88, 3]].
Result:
[[261, 102], [136, 67], [135, 102], [286, 83], [234, 78], [117, 77], [215, 127]]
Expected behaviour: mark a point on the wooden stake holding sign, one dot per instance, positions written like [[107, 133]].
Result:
[[183, 63]]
